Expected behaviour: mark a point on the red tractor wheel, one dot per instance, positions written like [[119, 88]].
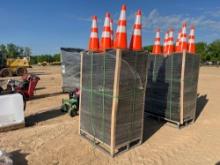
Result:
[[21, 71], [6, 72]]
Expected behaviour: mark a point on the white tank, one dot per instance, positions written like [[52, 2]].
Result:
[[11, 109]]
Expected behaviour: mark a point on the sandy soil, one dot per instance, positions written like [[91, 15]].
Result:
[[51, 137]]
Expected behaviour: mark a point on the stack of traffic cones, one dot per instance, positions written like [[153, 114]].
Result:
[[120, 40], [157, 46], [170, 44], [106, 42], [94, 40], [183, 39], [136, 38], [165, 44], [121, 33], [112, 32], [191, 45], [181, 42], [178, 42]]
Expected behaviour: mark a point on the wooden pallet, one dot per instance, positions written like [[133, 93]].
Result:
[[12, 127], [169, 121], [119, 149]]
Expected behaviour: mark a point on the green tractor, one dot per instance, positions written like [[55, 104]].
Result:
[[71, 105]]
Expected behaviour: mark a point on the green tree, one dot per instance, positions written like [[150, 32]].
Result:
[[27, 52], [214, 51], [12, 50], [20, 51], [56, 57], [3, 49], [201, 49], [34, 59], [149, 48]]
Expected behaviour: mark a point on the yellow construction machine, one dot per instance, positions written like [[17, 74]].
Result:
[[13, 66]]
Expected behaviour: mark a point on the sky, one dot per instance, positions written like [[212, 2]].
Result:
[[47, 25]]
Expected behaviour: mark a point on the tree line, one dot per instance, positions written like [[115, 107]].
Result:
[[14, 51], [49, 58], [208, 52]]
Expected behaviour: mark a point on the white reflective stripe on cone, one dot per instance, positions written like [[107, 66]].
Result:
[[165, 43], [111, 27], [192, 41], [121, 29], [138, 19], [183, 39], [170, 42], [184, 30], [123, 15], [171, 34], [93, 35], [157, 43], [106, 34], [157, 35], [94, 24], [192, 31], [107, 22], [137, 32]]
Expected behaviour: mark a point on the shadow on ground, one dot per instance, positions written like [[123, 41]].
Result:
[[46, 95], [151, 126], [18, 157], [39, 73], [218, 163], [202, 100], [40, 88], [43, 116]]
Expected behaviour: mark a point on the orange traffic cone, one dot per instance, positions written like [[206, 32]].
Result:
[[170, 45], [112, 32], [157, 46], [136, 39], [183, 39], [121, 33], [165, 43], [106, 34], [178, 42], [94, 40], [191, 46]]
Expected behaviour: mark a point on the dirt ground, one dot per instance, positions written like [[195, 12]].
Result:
[[51, 137]]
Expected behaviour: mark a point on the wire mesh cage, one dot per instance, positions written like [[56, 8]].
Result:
[[112, 98], [70, 65], [171, 91]]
